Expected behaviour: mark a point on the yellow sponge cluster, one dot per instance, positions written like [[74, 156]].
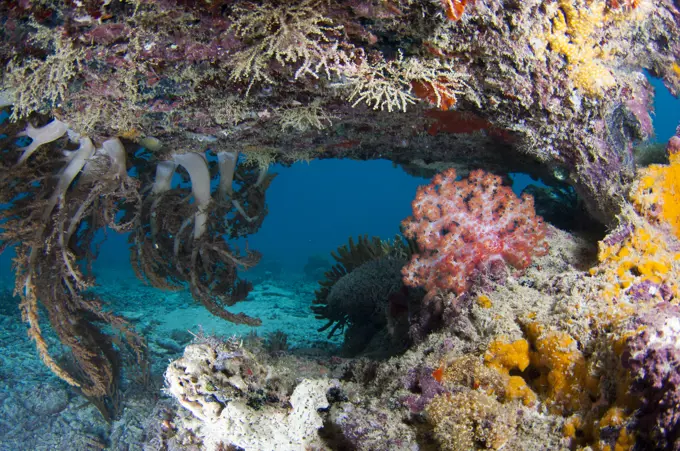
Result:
[[484, 301], [562, 373], [572, 388], [505, 357], [643, 256], [657, 193], [574, 35], [547, 363], [598, 433], [615, 419], [676, 69], [674, 74], [564, 378], [646, 258]]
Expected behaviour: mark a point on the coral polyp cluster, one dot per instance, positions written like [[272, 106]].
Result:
[[464, 420]]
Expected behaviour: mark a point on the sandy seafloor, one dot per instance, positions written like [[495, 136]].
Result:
[[40, 412]]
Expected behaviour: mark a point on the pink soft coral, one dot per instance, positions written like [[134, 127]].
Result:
[[465, 226]]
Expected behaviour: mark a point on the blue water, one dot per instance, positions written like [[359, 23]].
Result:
[[666, 112]]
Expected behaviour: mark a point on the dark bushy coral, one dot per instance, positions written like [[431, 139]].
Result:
[[337, 308], [362, 293], [52, 219], [59, 197], [167, 253]]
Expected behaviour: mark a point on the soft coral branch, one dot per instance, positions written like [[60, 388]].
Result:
[[42, 135], [463, 227]]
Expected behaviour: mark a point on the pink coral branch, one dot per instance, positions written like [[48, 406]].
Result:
[[465, 226]]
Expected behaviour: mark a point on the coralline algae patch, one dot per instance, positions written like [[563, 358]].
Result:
[[649, 356]]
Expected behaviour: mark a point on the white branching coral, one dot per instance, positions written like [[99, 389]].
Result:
[[230, 110], [388, 85], [41, 85], [304, 117], [167, 253], [108, 162], [289, 34], [114, 150], [262, 157]]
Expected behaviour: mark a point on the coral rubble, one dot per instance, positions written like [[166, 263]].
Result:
[[235, 401]]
